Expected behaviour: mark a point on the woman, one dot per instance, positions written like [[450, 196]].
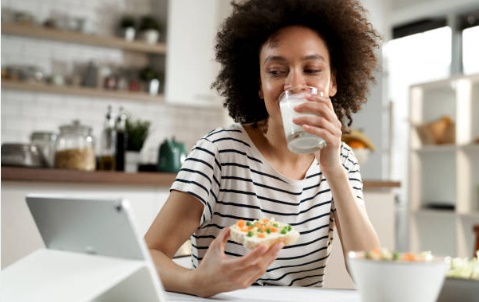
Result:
[[246, 171]]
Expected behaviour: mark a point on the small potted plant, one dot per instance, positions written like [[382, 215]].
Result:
[[137, 132], [150, 29], [151, 78], [128, 27]]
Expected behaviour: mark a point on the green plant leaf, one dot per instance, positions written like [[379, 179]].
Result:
[[137, 132]]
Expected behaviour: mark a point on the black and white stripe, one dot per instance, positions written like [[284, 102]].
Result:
[[232, 179]]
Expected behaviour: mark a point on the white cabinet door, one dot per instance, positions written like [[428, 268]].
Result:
[[20, 235], [381, 209], [191, 67]]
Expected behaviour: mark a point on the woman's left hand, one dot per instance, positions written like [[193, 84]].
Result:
[[323, 123]]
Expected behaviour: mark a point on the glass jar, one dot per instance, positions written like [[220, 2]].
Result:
[[45, 141], [75, 148]]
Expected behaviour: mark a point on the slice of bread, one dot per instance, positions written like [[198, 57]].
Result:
[[262, 232]]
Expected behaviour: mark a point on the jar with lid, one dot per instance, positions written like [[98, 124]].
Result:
[[45, 141], [75, 148]]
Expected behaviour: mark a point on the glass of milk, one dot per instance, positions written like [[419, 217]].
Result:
[[299, 141]]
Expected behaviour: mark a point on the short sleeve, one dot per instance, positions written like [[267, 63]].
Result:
[[200, 176], [351, 165]]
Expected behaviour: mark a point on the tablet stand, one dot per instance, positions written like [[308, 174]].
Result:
[[52, 275]]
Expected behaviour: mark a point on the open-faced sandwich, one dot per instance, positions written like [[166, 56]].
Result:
[[262, 232]]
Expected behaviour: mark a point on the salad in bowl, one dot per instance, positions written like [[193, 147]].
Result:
[[387, 276]]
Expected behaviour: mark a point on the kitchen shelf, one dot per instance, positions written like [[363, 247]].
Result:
[[447, 175], [426, 150], [473, 148], [85, 177], [79, 91], [80, 38], [424, 212], [119, 178]]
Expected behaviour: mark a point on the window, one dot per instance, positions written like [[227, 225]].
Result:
[[412, 59], [468, 25], [470, 50]]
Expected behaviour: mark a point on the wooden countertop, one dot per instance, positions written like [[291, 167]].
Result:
[[120, 178], [84, 177]]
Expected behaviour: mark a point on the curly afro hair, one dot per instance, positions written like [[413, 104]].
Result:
[[351, 40]]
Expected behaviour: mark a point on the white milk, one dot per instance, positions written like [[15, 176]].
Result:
[[299, 141]]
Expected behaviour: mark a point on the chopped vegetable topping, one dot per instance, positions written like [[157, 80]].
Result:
[[240, 223], [262, 227], [385, 255]]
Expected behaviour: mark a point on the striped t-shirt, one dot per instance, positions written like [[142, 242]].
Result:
[[233, 180]]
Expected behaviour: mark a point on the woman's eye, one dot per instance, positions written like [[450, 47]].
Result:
[[312, 70], [276, 72]]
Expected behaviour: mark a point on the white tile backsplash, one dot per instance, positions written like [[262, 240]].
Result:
[[24, 112]]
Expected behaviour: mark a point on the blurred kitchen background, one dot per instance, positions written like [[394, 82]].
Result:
[[66, 60], [77, 64]]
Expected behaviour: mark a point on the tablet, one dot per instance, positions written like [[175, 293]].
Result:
[[97, 226], [93, 250]]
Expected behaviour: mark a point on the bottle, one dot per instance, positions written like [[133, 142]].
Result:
[[90, 78], [107, 160], [121, 140], [75, 148]]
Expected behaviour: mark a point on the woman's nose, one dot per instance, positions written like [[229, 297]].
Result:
[[295, 79]]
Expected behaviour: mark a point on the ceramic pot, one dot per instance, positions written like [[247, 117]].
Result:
[[151, 36], [129, 33]]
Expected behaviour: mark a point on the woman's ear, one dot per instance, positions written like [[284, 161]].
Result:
[[333, 86], [260, 91]]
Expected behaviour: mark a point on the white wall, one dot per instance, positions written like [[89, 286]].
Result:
[[372, 119], [404, 11]]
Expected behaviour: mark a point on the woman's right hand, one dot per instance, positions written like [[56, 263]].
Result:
[[219, 273]]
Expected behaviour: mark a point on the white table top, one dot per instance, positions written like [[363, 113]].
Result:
[[275, 294]]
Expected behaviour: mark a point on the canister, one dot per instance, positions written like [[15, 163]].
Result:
[[75, 148], [45, 141]]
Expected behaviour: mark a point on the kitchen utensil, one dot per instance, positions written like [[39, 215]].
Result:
[[171, 156], [23, 155], [45, 141]]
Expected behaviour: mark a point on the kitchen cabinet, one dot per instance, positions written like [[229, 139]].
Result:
[[443, 181], [20, 235], [147, 193], [380, 203], [37, 32], [190, 64]]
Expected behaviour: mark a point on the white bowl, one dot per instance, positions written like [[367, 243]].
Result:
[[362, 155], [397, 281]]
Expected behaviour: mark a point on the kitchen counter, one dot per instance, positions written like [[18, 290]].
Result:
[[275, 293], [121, 178], [147, 192], [85, 177]]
